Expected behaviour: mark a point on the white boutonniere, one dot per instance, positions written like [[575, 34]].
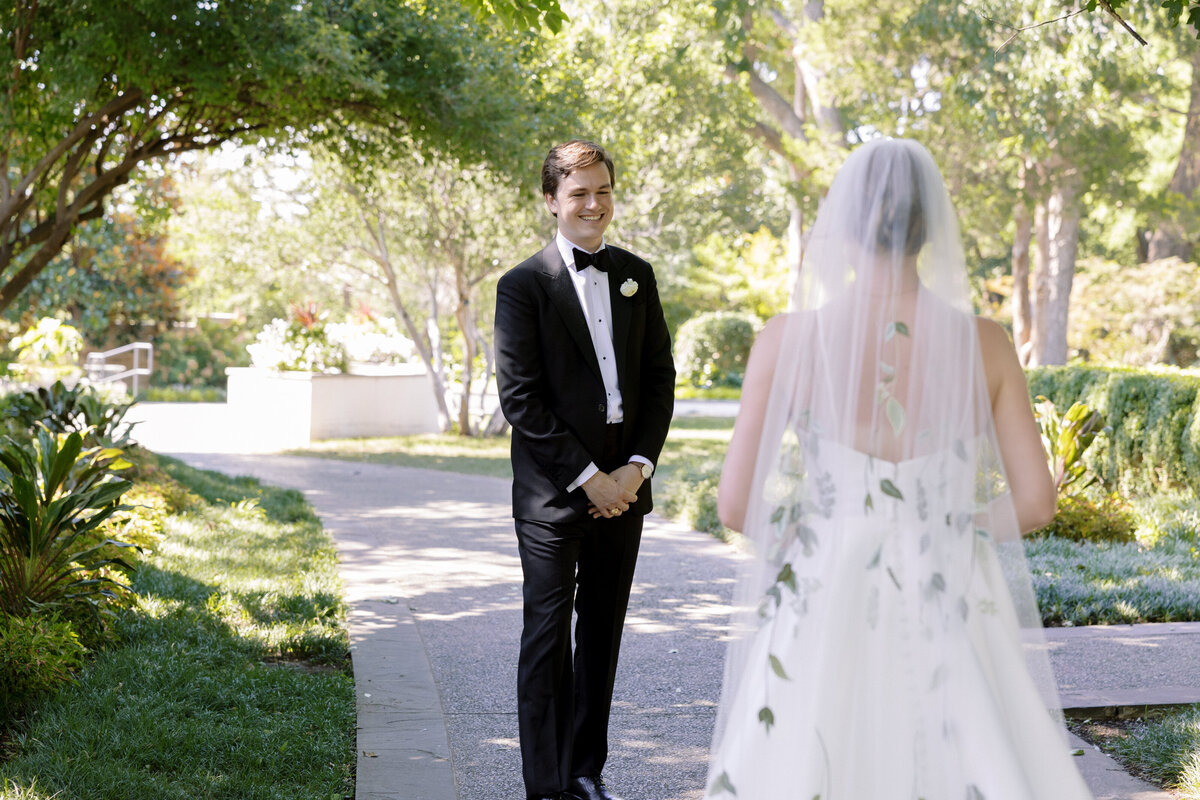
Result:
[[629, 287]]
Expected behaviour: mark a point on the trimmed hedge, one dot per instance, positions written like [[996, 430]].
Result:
[[1154, 416], [711, 349]]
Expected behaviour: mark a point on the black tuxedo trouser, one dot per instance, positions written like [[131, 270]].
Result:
[[563, 703]]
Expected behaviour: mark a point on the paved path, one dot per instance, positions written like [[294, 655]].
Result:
[[432, 575]]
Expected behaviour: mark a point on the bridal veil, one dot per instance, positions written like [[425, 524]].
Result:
[[886, 641]]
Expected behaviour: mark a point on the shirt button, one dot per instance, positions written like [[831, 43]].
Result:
[[600, 408]]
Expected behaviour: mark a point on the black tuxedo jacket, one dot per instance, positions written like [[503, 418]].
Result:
[[549, 379]]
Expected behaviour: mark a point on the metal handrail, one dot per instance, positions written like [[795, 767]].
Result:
[[99, 371]]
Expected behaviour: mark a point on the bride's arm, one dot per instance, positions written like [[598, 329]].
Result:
[[1016, 430], [733, 493]]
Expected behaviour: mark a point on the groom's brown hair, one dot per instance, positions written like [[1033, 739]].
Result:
[[565, 158]]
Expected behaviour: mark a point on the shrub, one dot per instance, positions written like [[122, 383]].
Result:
[[197, 356], [302, 342], [1066, 438], [711, 349], [690, 497], [63, 410], [1083, 520], [49, 347], [1154, 416], [37, 653], [181, 393], [52, 496]]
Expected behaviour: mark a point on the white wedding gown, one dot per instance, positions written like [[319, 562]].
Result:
[[889, 663]]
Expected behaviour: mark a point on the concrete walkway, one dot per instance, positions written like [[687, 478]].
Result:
[[432, 576]]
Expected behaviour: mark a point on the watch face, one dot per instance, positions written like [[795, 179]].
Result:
[[647, 471]]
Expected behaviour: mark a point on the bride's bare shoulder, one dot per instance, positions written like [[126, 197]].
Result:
[[1000, 362], [993, 339]]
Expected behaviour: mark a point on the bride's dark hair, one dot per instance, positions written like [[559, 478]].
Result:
[[896, 218]]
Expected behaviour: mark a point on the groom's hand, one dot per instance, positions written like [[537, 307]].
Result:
[[608, 494]]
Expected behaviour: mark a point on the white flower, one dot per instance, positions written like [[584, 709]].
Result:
[[629, 287]]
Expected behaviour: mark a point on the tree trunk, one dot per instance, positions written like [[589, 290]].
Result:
[[1041, 284], [1061, 224], [464, 313], [1021, 312], [428, 346], [1172, 237]]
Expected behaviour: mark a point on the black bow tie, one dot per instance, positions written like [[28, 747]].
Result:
[[598, 259]]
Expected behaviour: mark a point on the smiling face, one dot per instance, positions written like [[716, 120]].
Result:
[[583, 204]]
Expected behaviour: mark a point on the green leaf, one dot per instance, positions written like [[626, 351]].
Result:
[[1078, 752], [777, 667], [892, 575], [721, 783], [890, 489], [893, 328], [766, 717], [875, 561], [777, 515], [937, 582], [787, 577], [895, 414], [869, 503]]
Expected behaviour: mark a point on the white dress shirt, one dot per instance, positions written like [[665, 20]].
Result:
[[591, 287]]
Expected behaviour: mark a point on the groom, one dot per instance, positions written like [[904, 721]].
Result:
[[586, 379]]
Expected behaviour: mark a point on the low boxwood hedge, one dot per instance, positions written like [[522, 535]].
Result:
[[1154, 416]]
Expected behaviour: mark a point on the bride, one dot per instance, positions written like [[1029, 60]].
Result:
[[884, 465]]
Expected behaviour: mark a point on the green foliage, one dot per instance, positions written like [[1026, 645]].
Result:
[[1142, 314], [1173, 10], [48, 346], [522, 14], [1154, 416], [747, 271], [83, 109], [1066, 438], [203, 697], [38, 653], [115, 280], [1166, 748], [711, 349], [80, 409], [1081, 519], [1113, 583], [690, 496], [182, 393], [648, 81], [196, 356], [53, 494]]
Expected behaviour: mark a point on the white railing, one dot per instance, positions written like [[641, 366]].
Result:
[[98, 370]]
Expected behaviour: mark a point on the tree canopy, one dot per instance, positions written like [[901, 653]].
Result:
[[94, 90]]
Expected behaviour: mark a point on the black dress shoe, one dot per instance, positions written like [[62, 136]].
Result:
[[551, 796], [589, 789]]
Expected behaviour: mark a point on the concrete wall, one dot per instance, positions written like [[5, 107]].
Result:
[[295, 408]]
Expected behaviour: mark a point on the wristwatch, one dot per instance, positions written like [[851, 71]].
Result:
[[647, 470]]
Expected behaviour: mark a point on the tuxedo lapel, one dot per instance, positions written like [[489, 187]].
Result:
[[562, 294]]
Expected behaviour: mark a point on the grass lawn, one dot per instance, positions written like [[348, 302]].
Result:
[[231, 678], [691, 441], [1162, 747]]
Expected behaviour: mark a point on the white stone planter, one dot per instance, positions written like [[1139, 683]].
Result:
[[292, 409]]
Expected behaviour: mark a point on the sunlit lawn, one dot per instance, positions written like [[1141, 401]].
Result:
[[692, 441]]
